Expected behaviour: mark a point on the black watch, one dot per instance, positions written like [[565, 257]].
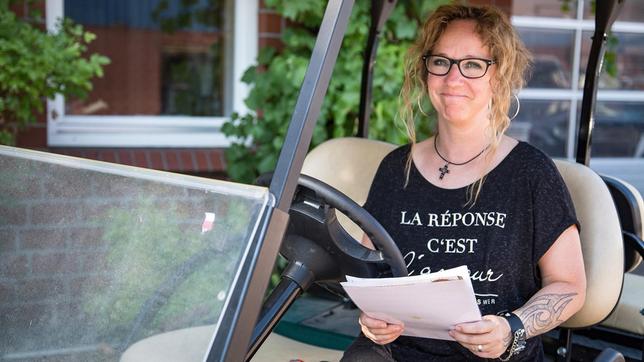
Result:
[[517, 330]]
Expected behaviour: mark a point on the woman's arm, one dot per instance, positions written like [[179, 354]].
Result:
[[564, 286], [562, 294]]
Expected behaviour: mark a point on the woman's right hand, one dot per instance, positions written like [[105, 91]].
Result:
[[379, 331]]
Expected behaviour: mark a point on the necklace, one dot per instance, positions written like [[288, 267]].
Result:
[[445, 169]]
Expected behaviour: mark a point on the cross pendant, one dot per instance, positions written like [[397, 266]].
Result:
[[443, 170]]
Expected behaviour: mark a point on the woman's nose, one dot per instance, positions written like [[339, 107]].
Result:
[[454, 74]]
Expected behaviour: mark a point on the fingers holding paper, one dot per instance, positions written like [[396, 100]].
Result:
[[379, 331], [487, 338]]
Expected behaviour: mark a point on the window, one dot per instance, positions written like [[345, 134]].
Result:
[[174, 75], [559, 36]]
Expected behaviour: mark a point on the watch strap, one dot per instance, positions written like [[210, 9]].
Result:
[[517, 331]]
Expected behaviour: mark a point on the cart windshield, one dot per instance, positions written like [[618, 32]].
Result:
[[95, 257]]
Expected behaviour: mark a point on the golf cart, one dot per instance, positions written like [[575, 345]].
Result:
[[108, 262]]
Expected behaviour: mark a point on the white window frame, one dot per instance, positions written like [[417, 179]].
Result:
[[161, 131], [574, 94]]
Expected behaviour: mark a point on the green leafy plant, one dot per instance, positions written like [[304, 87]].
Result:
[[35, 65], [276, 80]]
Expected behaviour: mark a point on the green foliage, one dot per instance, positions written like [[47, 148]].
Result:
[[276, 81], [35, 65]]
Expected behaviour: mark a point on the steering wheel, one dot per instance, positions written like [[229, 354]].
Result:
[[316, 239]]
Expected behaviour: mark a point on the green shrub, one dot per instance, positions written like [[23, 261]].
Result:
[[35, 65], [276, 81]]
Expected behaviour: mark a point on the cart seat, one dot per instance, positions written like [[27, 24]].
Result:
[[190, 344], [349, 164], [627, 316]]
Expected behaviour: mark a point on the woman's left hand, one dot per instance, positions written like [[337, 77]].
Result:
[[487, 338]]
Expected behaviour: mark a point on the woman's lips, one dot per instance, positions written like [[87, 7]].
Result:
[[453, 95]]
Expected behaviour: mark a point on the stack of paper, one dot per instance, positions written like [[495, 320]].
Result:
[[428, 305]]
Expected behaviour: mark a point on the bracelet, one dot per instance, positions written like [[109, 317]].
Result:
[[517, 330]]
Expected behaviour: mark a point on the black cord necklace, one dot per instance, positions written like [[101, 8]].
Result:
[[445, 169]]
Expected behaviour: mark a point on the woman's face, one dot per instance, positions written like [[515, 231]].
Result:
[[459, 100]]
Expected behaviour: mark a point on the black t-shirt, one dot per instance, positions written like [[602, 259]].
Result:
[[521, 210]]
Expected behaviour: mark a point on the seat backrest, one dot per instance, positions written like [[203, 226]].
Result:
[[349, 164], [601, 242], [630, 208]]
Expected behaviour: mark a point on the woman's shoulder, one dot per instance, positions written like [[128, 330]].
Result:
[[528, 159], [393, 164], [396, 156], [529, 151], [400, 151]]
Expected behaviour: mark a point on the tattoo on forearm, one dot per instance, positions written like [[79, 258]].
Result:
[[543, 312]]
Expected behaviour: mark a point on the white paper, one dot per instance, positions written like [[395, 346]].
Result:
[[428, 305]]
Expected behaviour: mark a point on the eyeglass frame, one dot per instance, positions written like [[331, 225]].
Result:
[[488, 63]]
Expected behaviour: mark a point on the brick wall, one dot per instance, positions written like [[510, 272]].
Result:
[[271, 25]]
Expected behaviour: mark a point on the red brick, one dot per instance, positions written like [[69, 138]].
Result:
[[58, 213], [7, 241], [156, 160], [91, 154], [39, 289], [26, 316], [140, 158], [270, 23], [172, 161], [86, 238], [42, 239], [12, 266], [67, 185], [125, 157], [25, 183], [186, 160], [7, 292], [107, 156], [81, 286], [203, 161], [52, 264], [217, 160], [93, 262], [273, 42], [12, 214], [32, 137]]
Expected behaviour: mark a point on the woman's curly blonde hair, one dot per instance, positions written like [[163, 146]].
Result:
[[511, 57]]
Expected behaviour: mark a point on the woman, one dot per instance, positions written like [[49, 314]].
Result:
[[471, 195]]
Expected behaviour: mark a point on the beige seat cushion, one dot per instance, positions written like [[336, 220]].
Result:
[[348, 164], [191, 344], [628, 316], [602, 243]]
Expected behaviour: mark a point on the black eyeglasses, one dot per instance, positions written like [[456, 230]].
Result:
[[470, 68]]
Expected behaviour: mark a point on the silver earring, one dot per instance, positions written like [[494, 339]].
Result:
[[518, 107]]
